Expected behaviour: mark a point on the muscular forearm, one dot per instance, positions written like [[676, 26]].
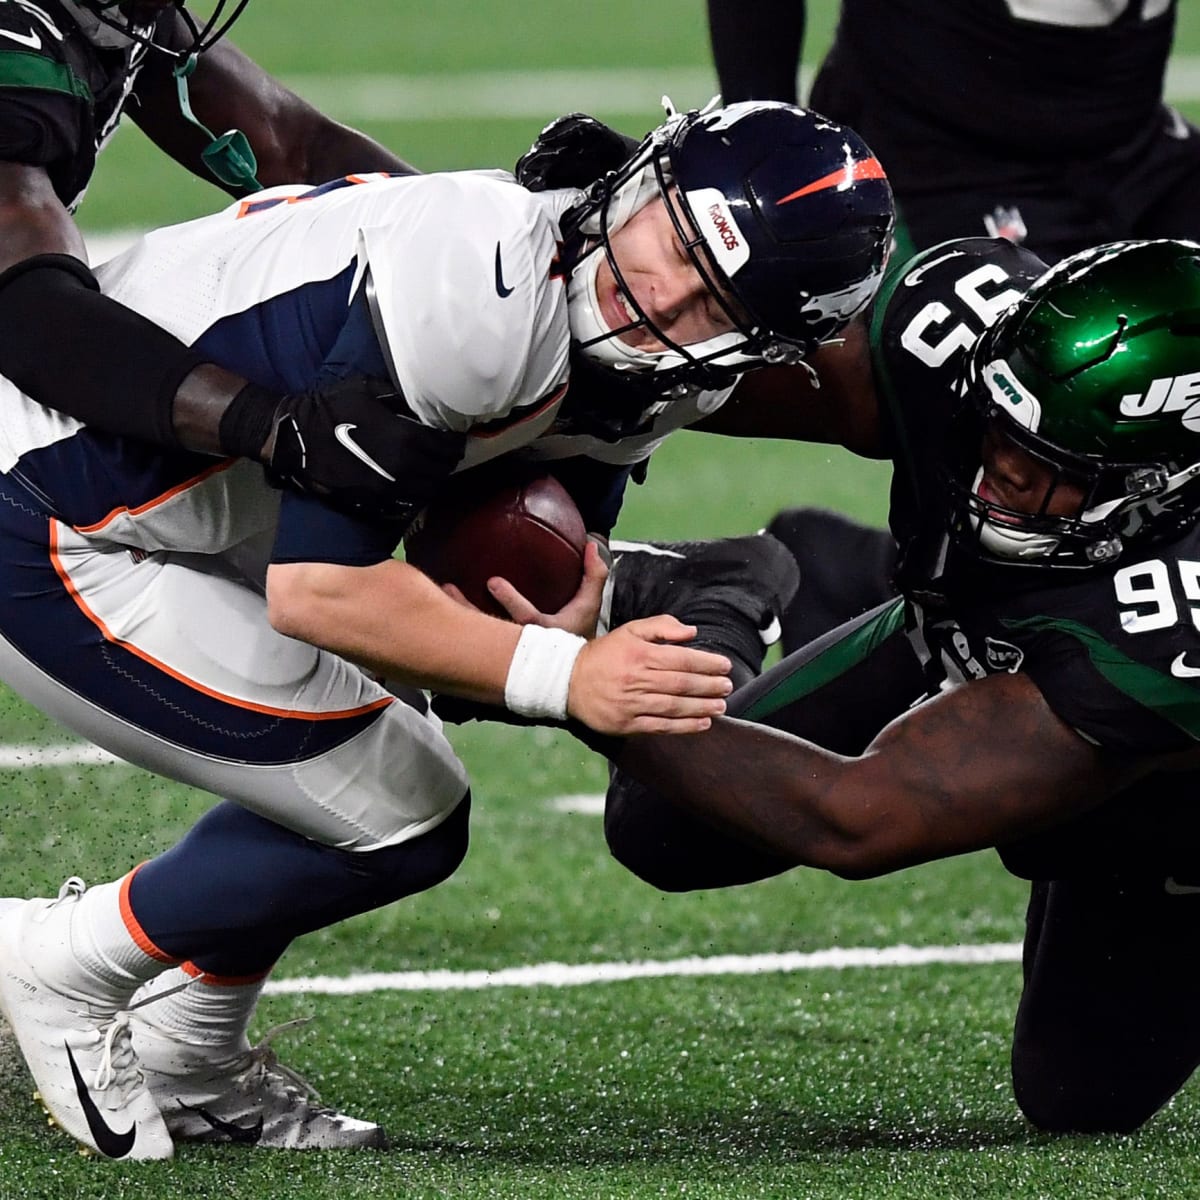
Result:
[[829, 399], [395, 621], [335, 149], [941, 780], [122, 371], [770, 790], [293, 142]]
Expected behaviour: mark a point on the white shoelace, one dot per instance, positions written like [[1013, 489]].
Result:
[[263, 1058], [116, 1056]]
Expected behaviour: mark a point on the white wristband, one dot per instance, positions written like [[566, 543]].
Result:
[[539, 676]]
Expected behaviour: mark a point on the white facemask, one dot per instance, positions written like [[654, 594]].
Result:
[[1008, 541]]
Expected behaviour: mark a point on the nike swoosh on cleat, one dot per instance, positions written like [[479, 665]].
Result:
[[501, 290], [32, 39], [108, 1140], [1181, 670], [243, 1135], [343, 433], [1179, 889]]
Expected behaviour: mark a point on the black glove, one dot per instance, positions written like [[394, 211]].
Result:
[[572, 151], [348, 445]]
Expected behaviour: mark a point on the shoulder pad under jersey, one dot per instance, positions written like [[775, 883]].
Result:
[[471, 297], [933, 307]]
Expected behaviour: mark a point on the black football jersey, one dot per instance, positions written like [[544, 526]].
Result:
[[1114, 650], [60, 96], [1031, 81]]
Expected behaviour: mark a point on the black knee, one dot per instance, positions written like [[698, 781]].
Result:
[[1105, 1032], [845, 569], [1063, 1095]]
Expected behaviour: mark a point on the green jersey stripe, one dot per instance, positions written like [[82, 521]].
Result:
[[1171, 699], [836, 660], [20, 70]]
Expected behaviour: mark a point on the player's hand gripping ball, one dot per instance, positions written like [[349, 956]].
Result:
[[527, 531]]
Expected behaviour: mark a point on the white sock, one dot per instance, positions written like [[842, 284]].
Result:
[[207, 1014], [111, 953]]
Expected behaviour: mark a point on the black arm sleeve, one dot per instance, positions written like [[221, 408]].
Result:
[[74, 350], [756, 47]]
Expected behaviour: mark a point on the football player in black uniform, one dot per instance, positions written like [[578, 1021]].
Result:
[[1033, 689], [69, 70], [1031, 119]]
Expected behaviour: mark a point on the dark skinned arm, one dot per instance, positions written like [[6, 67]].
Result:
[[33, 221], [293, 142], [783, 402], [126, 375], [936, 782]]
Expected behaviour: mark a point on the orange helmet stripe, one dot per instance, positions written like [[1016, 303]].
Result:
[[864, 168]]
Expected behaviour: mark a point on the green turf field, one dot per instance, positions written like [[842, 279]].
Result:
[[867, 1082]]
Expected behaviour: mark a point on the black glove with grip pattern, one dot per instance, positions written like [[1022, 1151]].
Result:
[[573, 151], [348, 444]]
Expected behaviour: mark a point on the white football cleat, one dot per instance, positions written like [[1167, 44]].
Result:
[[248, 1097], [75, 1039]]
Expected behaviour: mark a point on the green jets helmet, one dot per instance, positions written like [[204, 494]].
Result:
[[1095, 373]]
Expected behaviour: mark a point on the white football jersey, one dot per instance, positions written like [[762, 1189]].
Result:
[[462, 271]]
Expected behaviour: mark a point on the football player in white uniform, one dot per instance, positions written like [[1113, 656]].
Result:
[[181, 612]]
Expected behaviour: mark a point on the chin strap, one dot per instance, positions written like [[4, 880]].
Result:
[[229, 158]]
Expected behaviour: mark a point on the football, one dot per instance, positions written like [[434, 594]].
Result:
[[526, 530]]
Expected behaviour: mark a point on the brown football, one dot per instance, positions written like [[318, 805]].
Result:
[[528, 531]]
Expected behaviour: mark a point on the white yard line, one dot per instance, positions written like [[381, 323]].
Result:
[[541, 94], [480, 95], [576, 975], [586, 804], [537, 95], [66, 754], [25, 757]]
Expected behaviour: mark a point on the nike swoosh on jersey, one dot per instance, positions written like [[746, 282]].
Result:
[[108, 1140], [32, 39], [343, 433], [1179, 889], [501, 289], [1181, 670], [913, 278], [1178, 127]]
